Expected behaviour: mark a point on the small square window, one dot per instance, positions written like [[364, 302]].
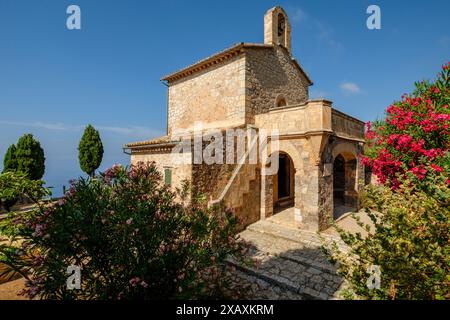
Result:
[[168, 176]]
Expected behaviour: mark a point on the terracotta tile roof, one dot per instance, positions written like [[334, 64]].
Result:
[[211, 60], [219, 57], [160, 140]]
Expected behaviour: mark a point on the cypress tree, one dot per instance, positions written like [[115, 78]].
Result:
[[10, 161], [90, 151], [30, 157]]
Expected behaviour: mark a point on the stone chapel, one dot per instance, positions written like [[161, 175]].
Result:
[[262, 86]]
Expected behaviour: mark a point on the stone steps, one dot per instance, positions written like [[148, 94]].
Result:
[[241, 186], [301, 236], [300, 253], [291, 262]]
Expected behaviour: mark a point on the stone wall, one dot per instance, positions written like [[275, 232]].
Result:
[[270, 75], [232, 92], [311, 116], [347, 126], [215, 96], [244, 195], [211, 179], [178, 163]]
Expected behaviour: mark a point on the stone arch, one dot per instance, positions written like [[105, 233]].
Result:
[[269, 184], [280, 101], [346, 149], [287, 147], [283, 181], [345, 179]]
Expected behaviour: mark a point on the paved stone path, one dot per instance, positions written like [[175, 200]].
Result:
[[291, 264]]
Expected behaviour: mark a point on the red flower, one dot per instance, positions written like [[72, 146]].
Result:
[[436, 168], [420, 172]]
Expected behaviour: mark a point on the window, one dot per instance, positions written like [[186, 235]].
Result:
[[168, 176], [281, 103], [281, 25], [281, 30]]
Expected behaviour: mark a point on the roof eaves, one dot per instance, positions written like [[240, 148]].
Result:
[[212, 60]]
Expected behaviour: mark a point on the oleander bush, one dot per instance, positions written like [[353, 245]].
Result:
[[133, 238], [415, 135], [409, 208]]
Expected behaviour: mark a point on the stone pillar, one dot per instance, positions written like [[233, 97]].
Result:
[[310, 198], [298, 207], [351, 193], [326, 194], [266, 195], [360, 177]]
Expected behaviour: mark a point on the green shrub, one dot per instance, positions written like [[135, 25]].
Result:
[[133, 238], [15, 185], [10, 161], [30, 157], [90, 151], [409, 241]]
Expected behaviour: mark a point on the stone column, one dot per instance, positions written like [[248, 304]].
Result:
[[310, 198], [325, 194], [351, 193], [266, 195], [298, 207]]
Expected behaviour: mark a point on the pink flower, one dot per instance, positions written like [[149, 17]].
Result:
[[116, 166], [38, 230], [132, 174], [134, 281], [129, 221]]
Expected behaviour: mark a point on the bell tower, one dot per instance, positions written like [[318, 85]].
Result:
[[277, 30]]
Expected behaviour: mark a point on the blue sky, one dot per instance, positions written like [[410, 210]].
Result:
[[54, 81]]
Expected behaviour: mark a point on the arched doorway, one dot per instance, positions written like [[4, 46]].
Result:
[[345, 195], [283, 183]]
